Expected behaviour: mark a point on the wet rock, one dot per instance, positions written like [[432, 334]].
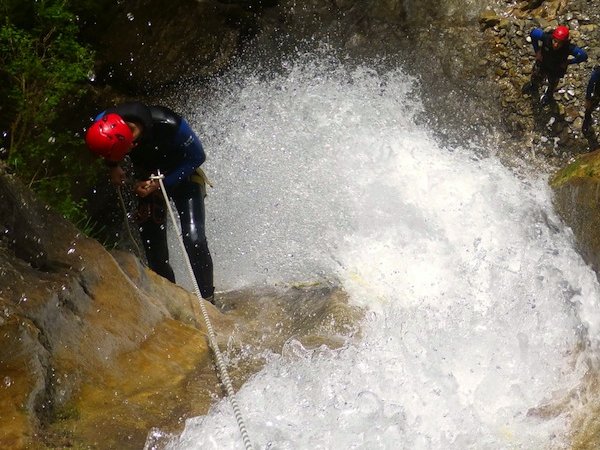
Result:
[[489, 19], [149, 44], [577, 186]]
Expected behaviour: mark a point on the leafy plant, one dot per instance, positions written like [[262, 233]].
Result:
[[43, 70]]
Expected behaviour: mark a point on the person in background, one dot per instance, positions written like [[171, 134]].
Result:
[[158, 139], [552, 51], [592, 98]]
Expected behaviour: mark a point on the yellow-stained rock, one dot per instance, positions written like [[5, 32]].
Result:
[[21, 381], [141, 389]]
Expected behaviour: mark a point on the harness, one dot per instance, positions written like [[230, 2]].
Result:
[[153, 208], [200, 178]]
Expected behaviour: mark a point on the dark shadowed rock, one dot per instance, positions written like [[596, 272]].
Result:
[[150, 43]]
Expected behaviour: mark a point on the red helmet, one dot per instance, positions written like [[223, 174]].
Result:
[[109, 137], [561, 33]]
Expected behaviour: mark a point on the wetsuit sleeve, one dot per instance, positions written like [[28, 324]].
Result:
[[589, 92], [579, 55], [193, 154], [536, 36]]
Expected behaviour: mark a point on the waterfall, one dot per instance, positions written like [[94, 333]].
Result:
[[481, 317]]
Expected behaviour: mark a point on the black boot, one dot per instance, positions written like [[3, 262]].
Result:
[[587, 121], [529, 88], [546, 99]]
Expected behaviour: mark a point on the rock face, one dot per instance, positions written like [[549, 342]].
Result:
[[96, 349], [147, 44], [577, 188], [69, 313]]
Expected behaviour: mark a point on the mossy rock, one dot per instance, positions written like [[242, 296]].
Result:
[[584, 167], [577, 189]]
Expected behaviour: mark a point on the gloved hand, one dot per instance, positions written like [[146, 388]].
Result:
[[145, 188]]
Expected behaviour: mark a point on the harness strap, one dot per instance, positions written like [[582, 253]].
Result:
[[200, 178]]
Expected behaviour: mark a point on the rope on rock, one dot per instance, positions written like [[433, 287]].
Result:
[[212, 338], [140, 254]]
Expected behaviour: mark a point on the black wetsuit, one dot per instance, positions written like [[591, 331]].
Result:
[[554, 63], [592, 95], [168, 144]]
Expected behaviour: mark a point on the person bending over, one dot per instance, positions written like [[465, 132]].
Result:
[[158, 139]]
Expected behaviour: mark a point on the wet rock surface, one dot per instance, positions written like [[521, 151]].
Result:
[[145, 44]]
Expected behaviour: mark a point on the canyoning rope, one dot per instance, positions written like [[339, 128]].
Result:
[[212, 338], [127, 224]]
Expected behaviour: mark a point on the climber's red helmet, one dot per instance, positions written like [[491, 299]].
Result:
[[561, 33], [110, 137]]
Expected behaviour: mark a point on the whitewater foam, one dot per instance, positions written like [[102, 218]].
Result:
[[477, 301]]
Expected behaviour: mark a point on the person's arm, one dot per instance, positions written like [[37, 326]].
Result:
[[536, 36], [589, 92], [190, 146], [579, 55]]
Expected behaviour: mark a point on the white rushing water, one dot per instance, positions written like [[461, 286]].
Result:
[[476, 298]]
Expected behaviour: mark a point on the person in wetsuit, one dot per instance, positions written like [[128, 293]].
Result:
[[158, 139], [592, 98], [552, 51]]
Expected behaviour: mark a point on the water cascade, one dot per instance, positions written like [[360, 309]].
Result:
[[479, 312]]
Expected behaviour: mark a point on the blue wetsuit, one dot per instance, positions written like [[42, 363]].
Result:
[[593, 87], [592, 97], [168, 144], [554, 61]]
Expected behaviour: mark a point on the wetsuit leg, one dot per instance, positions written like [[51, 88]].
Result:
[[154, 238], [190, 205], [587, 120], [537, 77], [553, 80]]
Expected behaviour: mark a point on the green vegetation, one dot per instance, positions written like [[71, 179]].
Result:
[[43, 71]]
